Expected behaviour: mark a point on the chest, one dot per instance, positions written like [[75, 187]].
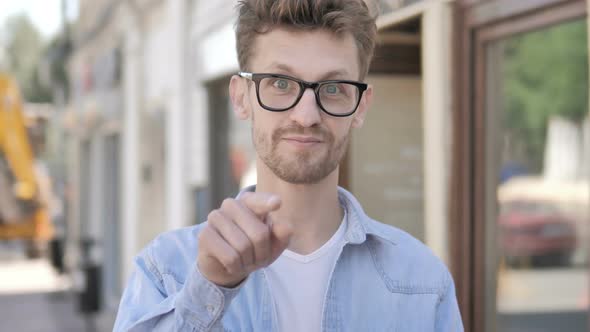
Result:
[[355, 299], [298, 286]]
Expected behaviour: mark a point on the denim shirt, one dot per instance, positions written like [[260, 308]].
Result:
[[383, 280]]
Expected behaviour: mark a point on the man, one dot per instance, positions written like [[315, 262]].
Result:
[[295, 252]]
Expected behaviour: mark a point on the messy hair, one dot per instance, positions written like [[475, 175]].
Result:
[[338, 16]]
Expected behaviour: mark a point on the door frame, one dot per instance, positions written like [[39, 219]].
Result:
[[477, 23]]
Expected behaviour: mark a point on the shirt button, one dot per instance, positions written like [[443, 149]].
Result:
[[210, 308]]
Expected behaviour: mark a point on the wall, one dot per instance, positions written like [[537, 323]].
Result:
[[386, 162]]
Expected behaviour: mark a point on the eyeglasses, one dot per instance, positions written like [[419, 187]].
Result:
[[278, 93]]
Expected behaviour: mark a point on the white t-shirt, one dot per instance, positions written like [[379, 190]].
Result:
[[298, 284]]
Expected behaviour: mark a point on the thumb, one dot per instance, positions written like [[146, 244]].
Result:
[[281, 233]]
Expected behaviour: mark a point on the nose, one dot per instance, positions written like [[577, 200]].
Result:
[[307, 112]]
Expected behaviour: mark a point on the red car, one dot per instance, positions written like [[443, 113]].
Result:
[[535, 231]]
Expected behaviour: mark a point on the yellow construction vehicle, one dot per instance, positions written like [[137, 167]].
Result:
[[23, 185]]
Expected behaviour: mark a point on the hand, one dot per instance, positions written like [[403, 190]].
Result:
[[240, 238]]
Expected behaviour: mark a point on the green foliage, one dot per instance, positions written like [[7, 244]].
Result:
[[56, 54], [24, 47], [545, 74]]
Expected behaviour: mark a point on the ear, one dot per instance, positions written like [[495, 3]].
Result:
[[238, 92], [361, 112]]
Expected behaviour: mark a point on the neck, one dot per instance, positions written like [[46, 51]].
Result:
[[313, 209]]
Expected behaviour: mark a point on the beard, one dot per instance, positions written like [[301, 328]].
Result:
[[309, 166]]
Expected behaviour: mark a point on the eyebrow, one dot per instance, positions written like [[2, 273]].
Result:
[[333, 74]]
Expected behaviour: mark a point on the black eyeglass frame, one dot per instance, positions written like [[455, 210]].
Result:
[[304, 85]]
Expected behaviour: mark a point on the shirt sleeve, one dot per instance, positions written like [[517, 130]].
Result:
[[448, 317], [198, 305]]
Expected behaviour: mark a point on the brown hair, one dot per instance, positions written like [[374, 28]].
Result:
[[338, 16]]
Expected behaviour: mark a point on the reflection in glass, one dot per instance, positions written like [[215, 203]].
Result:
[[539, 134]]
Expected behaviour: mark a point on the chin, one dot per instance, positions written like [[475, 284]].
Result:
[[303, 172], [301, 179]]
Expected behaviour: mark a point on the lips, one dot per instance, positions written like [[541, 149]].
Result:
[[303, 139], [302, 142]]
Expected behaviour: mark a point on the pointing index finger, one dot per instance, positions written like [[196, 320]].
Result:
[[260, 203]]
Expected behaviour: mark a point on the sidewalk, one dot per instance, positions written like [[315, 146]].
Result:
[[35, 298], [22, 276], [48, 312]]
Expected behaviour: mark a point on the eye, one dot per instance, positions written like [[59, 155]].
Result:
[[281, 84], [332, 89]]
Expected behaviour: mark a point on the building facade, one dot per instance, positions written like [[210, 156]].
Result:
[[478, 135], [128, 117]]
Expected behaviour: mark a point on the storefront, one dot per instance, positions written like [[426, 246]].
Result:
[[520, 189], [398, 164], [477, 144]]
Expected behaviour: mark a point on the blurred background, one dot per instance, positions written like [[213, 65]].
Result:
[[116, 125]]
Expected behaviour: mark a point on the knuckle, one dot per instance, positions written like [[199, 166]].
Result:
[[213, 215], [227, 203], [233, 261], [261, 236], [243, 247]]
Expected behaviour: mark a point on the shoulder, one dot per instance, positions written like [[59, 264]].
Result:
[[406, 263]]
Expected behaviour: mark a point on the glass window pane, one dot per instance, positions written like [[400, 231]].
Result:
[[538, 152]]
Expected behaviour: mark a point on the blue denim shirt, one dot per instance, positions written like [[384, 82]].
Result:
[[383, 280]]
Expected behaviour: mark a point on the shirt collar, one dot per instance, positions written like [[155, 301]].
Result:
[[359, 224]]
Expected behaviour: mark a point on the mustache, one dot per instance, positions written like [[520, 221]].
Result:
[[315, 131]]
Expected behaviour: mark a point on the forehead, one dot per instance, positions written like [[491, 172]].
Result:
[[309, 55]]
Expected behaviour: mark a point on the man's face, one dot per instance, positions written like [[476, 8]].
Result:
[[302, 145]]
